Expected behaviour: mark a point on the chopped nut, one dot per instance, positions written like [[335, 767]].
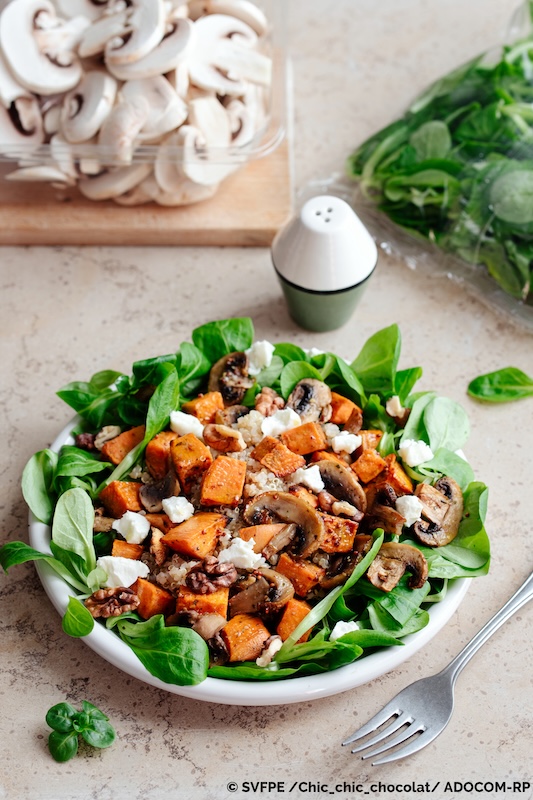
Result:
[[85, 441], [112, 602], [210, 575], [223, 438], [342, 507], [107, 433], [158, 549], [268, 401]]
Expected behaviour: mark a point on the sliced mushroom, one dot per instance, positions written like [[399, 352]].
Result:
[[230, 415], [311, 399], [121, 127], [341, 565], [202, 161], [97, 35], [91, 9], [342, 483], [383, 516], [86, 107], [166, 112], [39, 174], [229, 376], [114, 183], [145, 27], [391, 563], [171, 51], [39, 47], [442, 511], [266, 595], [152, 495], [241, 9], [242, 123], [280, 541], [20, 124], [223, 438], [269, 506], [208, 625], [135, 197]]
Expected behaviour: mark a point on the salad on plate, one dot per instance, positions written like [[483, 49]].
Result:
[[253, 511]]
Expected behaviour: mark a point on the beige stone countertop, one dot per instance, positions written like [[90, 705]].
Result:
[[67, 312]]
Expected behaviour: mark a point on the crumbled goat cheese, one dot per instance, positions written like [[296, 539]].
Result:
[[132, 526], [393, 406], [409, 507], [259, 356], [241, 554], [314, 351], [178, 509], [269, 652], [414, 452], [182, 424], [121, 571], [346, 442], [341, 628], [309, 477], [280, 421]]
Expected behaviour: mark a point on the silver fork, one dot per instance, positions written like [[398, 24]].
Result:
[[421, 711]]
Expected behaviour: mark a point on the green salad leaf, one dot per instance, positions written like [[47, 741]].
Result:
[[502, 386]]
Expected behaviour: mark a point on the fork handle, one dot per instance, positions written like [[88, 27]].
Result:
[[520, 598]]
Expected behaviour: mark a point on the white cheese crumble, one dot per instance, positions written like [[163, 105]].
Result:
[[346, 442], [132, 526], [269, 652], [280, 421], [259, 356], [314, 351], [393, 406], [414, 453], [182, 424], [341, 628], [309, 477], [241, 554], [409, 507], [121, 571], [177, 509]]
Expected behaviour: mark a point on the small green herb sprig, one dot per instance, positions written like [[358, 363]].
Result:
[[68, 725]]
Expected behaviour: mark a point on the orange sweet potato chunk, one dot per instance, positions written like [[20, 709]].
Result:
[[157, 454], [304, 575], [261, 534], [276, 457], [204, 407], [223, 482], [304, 494], [305, 439], [191, 458], [160, 521], [244, 636], [397, 476], [121, 496], [213, 603], [196, 537], [339, 534], [118, 448], [369, 465], [327, 455], [342, 409], [293, 614], [127, 549], [371, 438], [154, 599]]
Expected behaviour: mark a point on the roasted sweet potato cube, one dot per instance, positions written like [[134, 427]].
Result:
[[371, 438], [160, 521], [293, 614], [339, 534], [196, 537], [397, 476], [244, 636], [121, 496], [276, 457], [154, 599], [341, 409], [303, 574], [127, 549], [205, 406], [116, 449], [369, 465], [305, 439], [213, 603], [157, 454], [304, 494], [326, 455], [261, 534], [191, 458], [223, 482]]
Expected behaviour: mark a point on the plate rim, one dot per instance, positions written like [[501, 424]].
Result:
[[110, 647]]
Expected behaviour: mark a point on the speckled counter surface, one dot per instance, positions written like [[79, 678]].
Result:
[[66, 313]]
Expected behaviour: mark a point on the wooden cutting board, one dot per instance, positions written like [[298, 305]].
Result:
[[248, 209]]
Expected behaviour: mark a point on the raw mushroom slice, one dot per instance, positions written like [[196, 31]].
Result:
[[173, 189], [206, 142], [86, 107], [243, 10], [40, 174], [137, 196], [167, 111], [146, 20], [38, 46], [91, 9], [223, 58], [242, 123], [20, 126], [95, 38], [114, 183], [52, 120], [179, 80], [169, 53], [10, 89], [119, 132], [61, 152]]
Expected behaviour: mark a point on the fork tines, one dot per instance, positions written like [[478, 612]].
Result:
[[411, 734]]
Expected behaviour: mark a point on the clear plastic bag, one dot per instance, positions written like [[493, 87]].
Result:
[[449, 186]]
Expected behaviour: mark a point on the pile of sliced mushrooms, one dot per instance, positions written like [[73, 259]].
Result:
[[132, 100]]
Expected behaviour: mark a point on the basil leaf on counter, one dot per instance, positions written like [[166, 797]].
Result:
[[502, 386]]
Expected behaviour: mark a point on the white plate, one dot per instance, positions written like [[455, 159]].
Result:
[[246, 693]]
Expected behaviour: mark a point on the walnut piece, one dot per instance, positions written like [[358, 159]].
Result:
[[210, 575], [268, 401], [112, 602], [223, 438]]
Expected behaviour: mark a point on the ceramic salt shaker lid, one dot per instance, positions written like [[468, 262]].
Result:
[[323, 259]]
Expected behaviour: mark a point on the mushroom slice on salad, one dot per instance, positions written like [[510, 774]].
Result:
[[229, 376], [391, 563], [311, 399], [442, 510], [272, 506], [342, 483]]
